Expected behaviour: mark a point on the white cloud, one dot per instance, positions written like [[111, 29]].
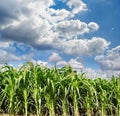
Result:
[[62, 63], [110, 61], [36, 23], [98, 73], [7, 56], [37, 29], [87, 47], [45, 28], [54, 57], [71, 28], [59, 14], [75, 64], [4, 44], [77, 6], [39, 62], [46, 3], [43, 3], [93, 26], [97, 45]]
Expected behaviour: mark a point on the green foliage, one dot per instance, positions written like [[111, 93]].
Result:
[[38, 90]]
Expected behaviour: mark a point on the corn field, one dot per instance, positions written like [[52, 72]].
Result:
[[42, 91]]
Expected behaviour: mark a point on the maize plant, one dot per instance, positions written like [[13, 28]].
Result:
[[42, 91]]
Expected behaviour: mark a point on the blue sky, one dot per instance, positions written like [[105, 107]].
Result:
[[82, 33]]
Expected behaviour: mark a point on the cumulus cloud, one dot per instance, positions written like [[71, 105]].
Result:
[[86, 47], [4, 44], [110, 61], [38, 37], [59, 14], [36, 23], [22, 32], [77, 6], [44, 28], [71, 28], [54, 57], [39, 62], [35, 29], [11, 10], [7, 57], [62, 63], [98, 73], [93, 26], [74, 63], [13, 52], [23, 28]]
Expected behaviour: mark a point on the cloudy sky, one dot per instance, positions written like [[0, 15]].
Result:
[[82, 33]]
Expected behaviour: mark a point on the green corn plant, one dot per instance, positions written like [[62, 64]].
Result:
[[103, 88], [75, 101], [75, 95], [88, 96], [38, 90], [10, 86], [116, 94], [3, 95], [50, 96], [63, 94], [25, 84], [65, 103]]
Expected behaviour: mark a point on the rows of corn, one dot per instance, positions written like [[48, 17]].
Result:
[[38, 90]]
